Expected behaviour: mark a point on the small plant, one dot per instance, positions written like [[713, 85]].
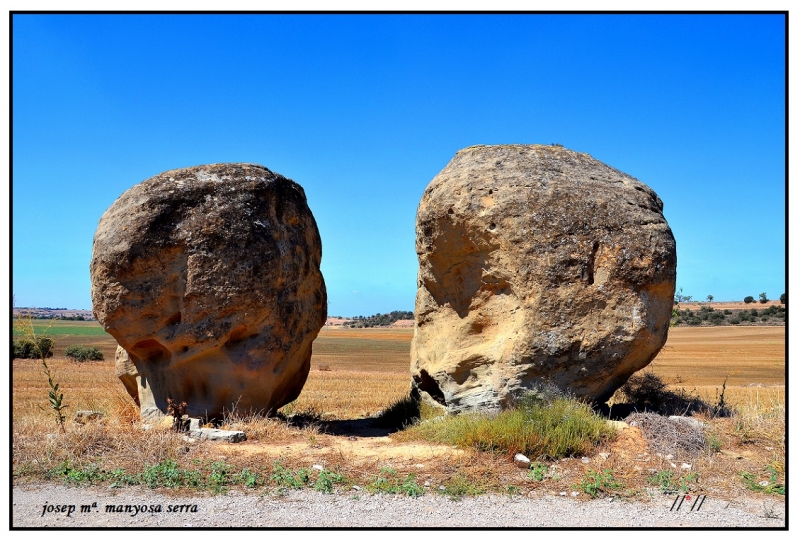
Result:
[[219, 477], [326, 480], [410, 487], [749, 299], [388, 481], [664, 480], [537, 471], [286, 479], [247, 478], [84, 353], [459, 486], [594, 483], [42, 348], [167, 474], [769, 487], [762, 297]]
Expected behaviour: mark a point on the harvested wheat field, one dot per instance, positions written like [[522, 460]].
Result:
[[358, 373]]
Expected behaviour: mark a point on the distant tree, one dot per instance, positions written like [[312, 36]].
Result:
[[710, 298], [762, 297], [783, 299], [749, 299], [680, 298]]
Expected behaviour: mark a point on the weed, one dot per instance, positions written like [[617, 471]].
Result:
[[668, 483], [326, 480], [247, 478], [71, 474], [219, 477], [388, 481], [768, 487], [120, 478], [664, 480], [167, 474], [41, 347], [459, 486], [594, 483], [287, 479], [537, 471], [410, 487]]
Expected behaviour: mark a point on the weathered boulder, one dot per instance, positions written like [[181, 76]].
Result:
[[537, 266], [208, 277], [127, 372]]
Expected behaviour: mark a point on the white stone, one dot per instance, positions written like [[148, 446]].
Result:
[[521, 461]]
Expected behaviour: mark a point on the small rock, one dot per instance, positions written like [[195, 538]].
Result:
[[611, 499], [441, 488], [420, 466], [763, 483], [673, 465], [563, 493], [521, 461], [574, 493], [605, 455], [218, 435], [585, 460], [668, 456], [427, 483], [686, 466], [357, 488], [768, 448], [318, 467]]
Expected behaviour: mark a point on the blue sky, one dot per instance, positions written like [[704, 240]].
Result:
[[364, 110]]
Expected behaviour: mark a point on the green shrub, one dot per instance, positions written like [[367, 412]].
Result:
[[749, 299], [540, 424], [84, 353], [28, 349]]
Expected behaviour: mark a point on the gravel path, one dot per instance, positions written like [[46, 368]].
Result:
[[306, 508]]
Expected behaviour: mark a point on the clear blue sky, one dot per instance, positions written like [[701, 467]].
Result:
[[363, 111]]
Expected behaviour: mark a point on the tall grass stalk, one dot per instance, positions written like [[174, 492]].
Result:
[[24, 326]]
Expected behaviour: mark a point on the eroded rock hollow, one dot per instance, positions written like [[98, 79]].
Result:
[[537, 265], [208, 277]]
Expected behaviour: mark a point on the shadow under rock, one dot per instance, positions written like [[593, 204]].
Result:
[[362, 427]]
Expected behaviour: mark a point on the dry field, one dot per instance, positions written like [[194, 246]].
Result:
[[357, 372]]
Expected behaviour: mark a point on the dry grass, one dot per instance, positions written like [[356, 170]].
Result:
[[356, 373]]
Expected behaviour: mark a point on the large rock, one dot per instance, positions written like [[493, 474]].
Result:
[[537, 265], [208, 277]]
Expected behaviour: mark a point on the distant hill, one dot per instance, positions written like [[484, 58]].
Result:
[[378, 320], [57, 314]]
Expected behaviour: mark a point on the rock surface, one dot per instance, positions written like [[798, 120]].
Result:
[[208, 277], [538, 265], [127, 372]]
